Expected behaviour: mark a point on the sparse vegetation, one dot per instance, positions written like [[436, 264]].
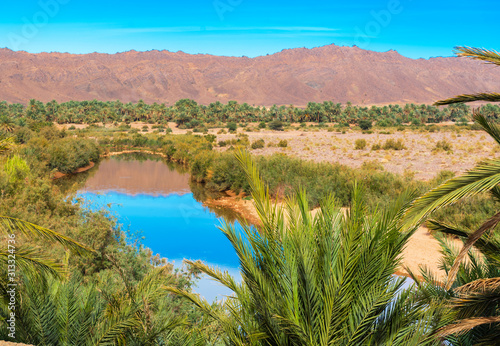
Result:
[[393, 144], [360, 144], [258, 144], [283, 143], [443, 145]]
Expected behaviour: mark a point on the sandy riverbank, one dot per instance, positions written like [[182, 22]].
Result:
[[58, 175]]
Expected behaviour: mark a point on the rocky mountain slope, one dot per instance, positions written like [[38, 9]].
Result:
[[293, 76]]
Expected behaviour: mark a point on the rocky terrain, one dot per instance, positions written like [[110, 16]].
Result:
[[293, 76]]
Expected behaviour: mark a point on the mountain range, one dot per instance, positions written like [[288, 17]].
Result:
[[292, 76]]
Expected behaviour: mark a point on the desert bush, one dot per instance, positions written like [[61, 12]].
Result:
[[262, 125], [365, 124], [283, 143], [360, 144], [258, 144], [392, 144], [443, 145], [376, 146], [231, 126], [210, 138], [276, 125]]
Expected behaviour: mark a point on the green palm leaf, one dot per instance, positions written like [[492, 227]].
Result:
[[465, 98], [6, 144], [12, 225], [490, 56], [482, 178]]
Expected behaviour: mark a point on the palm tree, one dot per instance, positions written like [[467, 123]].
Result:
[[485, 177], [72, 312], [316, 280]]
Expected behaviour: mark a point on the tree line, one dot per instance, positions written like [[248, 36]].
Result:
[[189, 114]]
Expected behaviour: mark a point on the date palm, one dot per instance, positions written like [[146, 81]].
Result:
[[316, 280], [473, 297], [72, 311]]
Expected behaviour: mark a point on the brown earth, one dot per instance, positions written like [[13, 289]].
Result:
[[293, 76]]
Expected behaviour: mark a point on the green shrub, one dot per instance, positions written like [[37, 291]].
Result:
[[283, 143], [232, 126], [222, 143], [365, 124], [262, 125], [360, 144], [443, 145], [376, 146], [276, 125], [210, 138], [392, 144], [258, 144]]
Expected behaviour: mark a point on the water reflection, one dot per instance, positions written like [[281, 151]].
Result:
[[158, 199]]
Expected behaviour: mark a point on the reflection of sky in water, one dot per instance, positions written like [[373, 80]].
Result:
[[176, 227]]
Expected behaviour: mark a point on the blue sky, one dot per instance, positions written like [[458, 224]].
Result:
[[415, 28]]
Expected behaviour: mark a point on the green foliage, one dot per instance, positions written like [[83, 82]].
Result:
[[360, 144], [67, 155], [188, 114], [365, 124], [469, 299], [210, 138], [16, 168], [258, 144], [302, 276], [232, 126], [275, 125], [392, 144], [283, 143], [443, 145]]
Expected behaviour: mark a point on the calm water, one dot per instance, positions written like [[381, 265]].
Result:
[[157, 199]]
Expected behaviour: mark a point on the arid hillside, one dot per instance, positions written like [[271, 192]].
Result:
[[294, 76]]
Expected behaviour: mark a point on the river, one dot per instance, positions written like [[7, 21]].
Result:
[[156, 200]]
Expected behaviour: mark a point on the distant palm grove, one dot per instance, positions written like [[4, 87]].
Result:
[[189, 114]]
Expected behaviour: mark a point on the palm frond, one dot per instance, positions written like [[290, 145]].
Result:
[[465, 98], [29, 258], [489, 126], [11, 225], [484, 177], [488, 225], [488, 55], [481, 285], [6, 144], [465, 325]]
